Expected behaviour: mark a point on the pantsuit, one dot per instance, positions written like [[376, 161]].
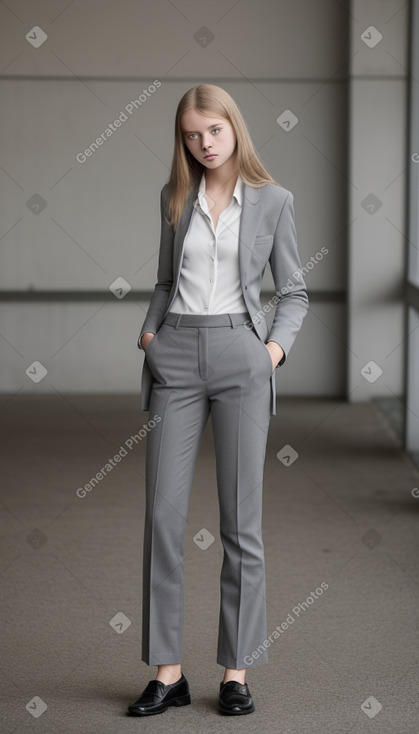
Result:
[[217, 364], [201, 365]]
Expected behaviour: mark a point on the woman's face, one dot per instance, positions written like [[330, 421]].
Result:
[[205, 134]]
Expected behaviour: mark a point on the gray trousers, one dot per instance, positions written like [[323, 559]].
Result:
[[202, 364]]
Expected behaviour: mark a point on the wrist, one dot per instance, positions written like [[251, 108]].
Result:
[[276, 350], [147, 334]]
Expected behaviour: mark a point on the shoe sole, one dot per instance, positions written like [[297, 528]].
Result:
[[235, 713], [181, 701]]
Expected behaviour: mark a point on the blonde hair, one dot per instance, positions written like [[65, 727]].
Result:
[[186, 171]]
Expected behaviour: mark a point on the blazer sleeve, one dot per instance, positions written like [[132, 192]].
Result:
[[163, 286], [290, 288]]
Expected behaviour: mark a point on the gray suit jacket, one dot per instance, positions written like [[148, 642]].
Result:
[[267, 234]]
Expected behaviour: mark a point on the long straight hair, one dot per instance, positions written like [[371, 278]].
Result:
[[186, 171]]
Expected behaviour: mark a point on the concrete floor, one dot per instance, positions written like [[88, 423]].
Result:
[[343, 514]]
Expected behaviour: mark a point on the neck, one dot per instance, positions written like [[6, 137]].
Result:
[[222, 178]]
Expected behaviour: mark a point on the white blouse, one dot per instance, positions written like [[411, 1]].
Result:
[[209, 281]]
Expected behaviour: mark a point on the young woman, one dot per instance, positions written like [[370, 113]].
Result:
[[208, 351]]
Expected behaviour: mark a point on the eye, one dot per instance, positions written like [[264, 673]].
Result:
[[192, 136]]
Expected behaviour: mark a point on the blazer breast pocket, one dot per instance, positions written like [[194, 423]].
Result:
[[264, 239]]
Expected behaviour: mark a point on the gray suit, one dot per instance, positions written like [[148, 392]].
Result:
[[267, 233], [215, 364]]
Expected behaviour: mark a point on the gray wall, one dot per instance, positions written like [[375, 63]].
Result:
[[101, 218], [377, 189]]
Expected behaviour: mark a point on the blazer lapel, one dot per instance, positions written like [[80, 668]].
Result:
[[251, 216], [179, 239]]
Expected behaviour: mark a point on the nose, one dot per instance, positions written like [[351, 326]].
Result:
[[206, 143]]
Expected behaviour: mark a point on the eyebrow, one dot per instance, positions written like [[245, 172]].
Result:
[[214, 124]]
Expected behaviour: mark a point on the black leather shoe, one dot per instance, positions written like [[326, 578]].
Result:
[[235, 698], [158, 696]]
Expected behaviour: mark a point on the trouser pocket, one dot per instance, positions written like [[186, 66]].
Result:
[[266, 356]]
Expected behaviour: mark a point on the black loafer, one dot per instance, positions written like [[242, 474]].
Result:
[[158, 696], [235, 698]]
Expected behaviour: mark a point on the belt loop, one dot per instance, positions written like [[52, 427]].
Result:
[[178, 320], [231, 320]]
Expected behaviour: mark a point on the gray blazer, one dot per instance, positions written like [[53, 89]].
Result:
[[267, 234]]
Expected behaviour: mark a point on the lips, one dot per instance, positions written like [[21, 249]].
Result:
[[211, 155]]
